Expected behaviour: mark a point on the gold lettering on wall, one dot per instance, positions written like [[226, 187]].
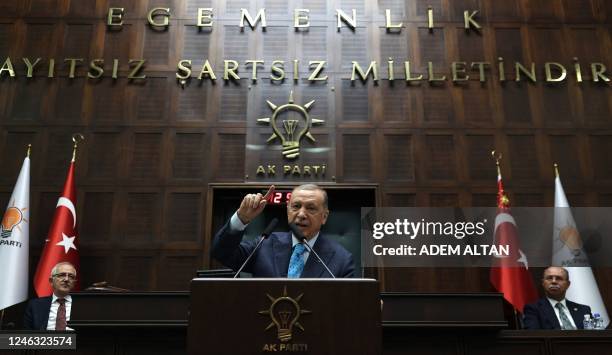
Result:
[[531, 73], [482, 66], [95, 68], [230, 70], [136, 65], [458, 71], [205, 16], [207, 70], [468, 20], [115, 17], [432, 75], [261, 16], [254, 65], [389, 25], [577, 70], [157, 12], [7, 67], [343, 17], [183, 70], [300, 18], [373, 68], [30, 66], [72, 65], [277, 70], [409, 76], [548, 69], [599, 71], [314, 76]]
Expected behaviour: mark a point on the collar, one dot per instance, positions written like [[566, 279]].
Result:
[[311, 242], [55, 298], [554, 302]]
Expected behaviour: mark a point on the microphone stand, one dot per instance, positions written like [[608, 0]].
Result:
[[265, 234], [263, 237], [317, 255]]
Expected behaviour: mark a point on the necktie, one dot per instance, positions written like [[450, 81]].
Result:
[[565, 322], [296, 263], [60, 321]]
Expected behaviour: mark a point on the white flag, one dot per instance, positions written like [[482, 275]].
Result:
[[14, 242], [568, 252]]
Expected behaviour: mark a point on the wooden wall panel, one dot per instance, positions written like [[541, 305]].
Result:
[[356, 145], [96, 224], [400, 161], [153, 145], [142, 218], [600, 148], [183, 217], [104, 156], [440, 157]]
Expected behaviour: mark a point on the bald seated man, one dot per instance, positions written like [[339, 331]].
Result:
[[283, 254], [555, 311]]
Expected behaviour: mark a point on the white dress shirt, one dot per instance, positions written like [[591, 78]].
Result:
[[53, 312], [565, 310]]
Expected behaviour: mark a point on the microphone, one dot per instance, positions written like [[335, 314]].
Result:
[[298, 234], [264, 235]]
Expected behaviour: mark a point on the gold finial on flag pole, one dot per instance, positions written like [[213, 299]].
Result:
[[76, 138], [497, 159], [29, 149], [556, 169]]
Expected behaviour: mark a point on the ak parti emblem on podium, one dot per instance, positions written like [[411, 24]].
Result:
[[285, 312]]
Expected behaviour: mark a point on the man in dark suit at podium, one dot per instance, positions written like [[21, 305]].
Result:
[[283, 254], [52, 312], [555, 311]]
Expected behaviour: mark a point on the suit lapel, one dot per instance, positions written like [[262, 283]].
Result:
[[282, 253], [45, 309], [550, 314], [313, 267], [578, 317]]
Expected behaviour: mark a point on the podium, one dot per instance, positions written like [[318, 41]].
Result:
[[303, 316]]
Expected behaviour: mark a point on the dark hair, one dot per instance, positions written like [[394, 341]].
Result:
[[313, 187]]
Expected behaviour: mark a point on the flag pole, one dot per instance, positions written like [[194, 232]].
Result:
[[76, 138], [497, 160], [29, 149], [556, 169]]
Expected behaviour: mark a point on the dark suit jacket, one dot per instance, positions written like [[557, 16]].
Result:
[[37, 313], [541, 315], [272, 258]]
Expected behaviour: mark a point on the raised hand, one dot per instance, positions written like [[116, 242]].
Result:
[[252, 205]]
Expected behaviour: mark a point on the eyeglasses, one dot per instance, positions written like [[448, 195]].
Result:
[[64, 275]]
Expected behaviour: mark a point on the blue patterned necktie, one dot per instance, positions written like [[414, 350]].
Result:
[[296, 263]]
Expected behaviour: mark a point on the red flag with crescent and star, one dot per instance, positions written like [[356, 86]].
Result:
[[62, 242], [510, 274]]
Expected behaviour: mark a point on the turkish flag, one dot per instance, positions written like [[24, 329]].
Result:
[[510, 274], [62, 243]]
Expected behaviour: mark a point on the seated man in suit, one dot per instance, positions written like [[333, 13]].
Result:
[[282, 254], [52, 312], [555, 311]]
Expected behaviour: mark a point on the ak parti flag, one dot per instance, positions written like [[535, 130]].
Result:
[[62, 242], [14, 242], [509, 274], [568, 252]]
